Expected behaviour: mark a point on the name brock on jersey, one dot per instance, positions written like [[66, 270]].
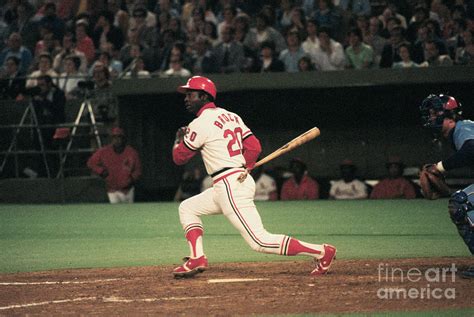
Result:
[[224, 118]]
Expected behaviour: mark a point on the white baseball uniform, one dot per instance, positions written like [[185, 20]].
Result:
[[219, 135]]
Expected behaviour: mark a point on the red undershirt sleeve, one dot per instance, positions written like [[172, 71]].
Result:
[[252, 149], [182, 154]]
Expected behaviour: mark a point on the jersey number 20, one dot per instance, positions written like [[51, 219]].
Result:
[[234, 146]]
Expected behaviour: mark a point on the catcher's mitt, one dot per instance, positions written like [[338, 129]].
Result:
[[433, 184]]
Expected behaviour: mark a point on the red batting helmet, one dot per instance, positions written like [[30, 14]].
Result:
[[199, 83]]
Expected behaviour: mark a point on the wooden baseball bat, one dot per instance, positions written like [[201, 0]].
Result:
[[296, 142]]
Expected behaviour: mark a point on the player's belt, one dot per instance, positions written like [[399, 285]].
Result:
[[221, 171], [226, 171]]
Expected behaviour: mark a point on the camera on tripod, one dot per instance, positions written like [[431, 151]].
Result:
[[32, 91], [86, 84]]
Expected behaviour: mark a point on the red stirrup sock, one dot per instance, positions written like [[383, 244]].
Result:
[[194, 234], [296, 247]]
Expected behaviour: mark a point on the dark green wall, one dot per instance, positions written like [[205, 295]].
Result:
[[359, 118]]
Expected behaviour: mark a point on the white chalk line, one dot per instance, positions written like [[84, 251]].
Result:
[[61, 282], [58, 301], [235, 280], [111, 299]]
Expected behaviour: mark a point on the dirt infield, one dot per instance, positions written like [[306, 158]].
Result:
[[242, 289]]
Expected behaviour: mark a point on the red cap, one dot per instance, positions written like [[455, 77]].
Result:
[[199, 83]]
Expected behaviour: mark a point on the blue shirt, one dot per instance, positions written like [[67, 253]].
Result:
[[291, 59], [463, 131]]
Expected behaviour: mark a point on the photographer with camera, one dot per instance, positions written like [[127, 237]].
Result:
[[103, 101]]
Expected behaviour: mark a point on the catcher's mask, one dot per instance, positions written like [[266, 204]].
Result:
[[435, 108]]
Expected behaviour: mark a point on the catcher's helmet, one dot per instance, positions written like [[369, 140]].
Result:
[[435, 108], [199, 83]]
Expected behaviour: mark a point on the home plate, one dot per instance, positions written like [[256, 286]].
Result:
[[236, 280]]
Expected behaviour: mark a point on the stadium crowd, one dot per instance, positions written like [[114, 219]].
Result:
[[139, 38]]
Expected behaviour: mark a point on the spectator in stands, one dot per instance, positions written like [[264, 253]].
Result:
[[164, 50], [49, 104], [176, 68], [69, 79], [190, 184], [311, 44], [144, 34], [242, 27], [210, 30], [114, 65], [267, 61], [300, 186], [203, 59], [265, 185], [390, 51], [405, 55], [48, 43], [229, 53], [348, 187], [150, 17], [394, 185], [330, 54], [229, 12], [357, 8], [119, 165], [69, 43], [264, 32], [84, 43], [45, 67], [105, 31], [103, 101], [12, 82], [137, 69], [427, 32], [390, 15], [166, 6], [373, 38], [24, 25], [465, 55], [455, 38], [14, 48], [52, 21], [359, 55], [305, 64], [174, 26], [121, 17], [433, 57], [293, 53], [284, 14], [297, 23], [326, 15], [420, 15]]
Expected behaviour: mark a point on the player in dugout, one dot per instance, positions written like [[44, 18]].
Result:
[[119, 165], [228, 148], [443, 115]]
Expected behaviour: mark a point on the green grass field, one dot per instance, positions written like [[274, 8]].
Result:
[[44, 237]]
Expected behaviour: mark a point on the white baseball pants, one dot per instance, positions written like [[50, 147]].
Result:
[[235, 201]]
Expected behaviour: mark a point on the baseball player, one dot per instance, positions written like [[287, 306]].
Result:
[[442, 114], [228, 147], [119, 165]]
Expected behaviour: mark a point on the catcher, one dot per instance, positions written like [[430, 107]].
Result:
[[442, 114]]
